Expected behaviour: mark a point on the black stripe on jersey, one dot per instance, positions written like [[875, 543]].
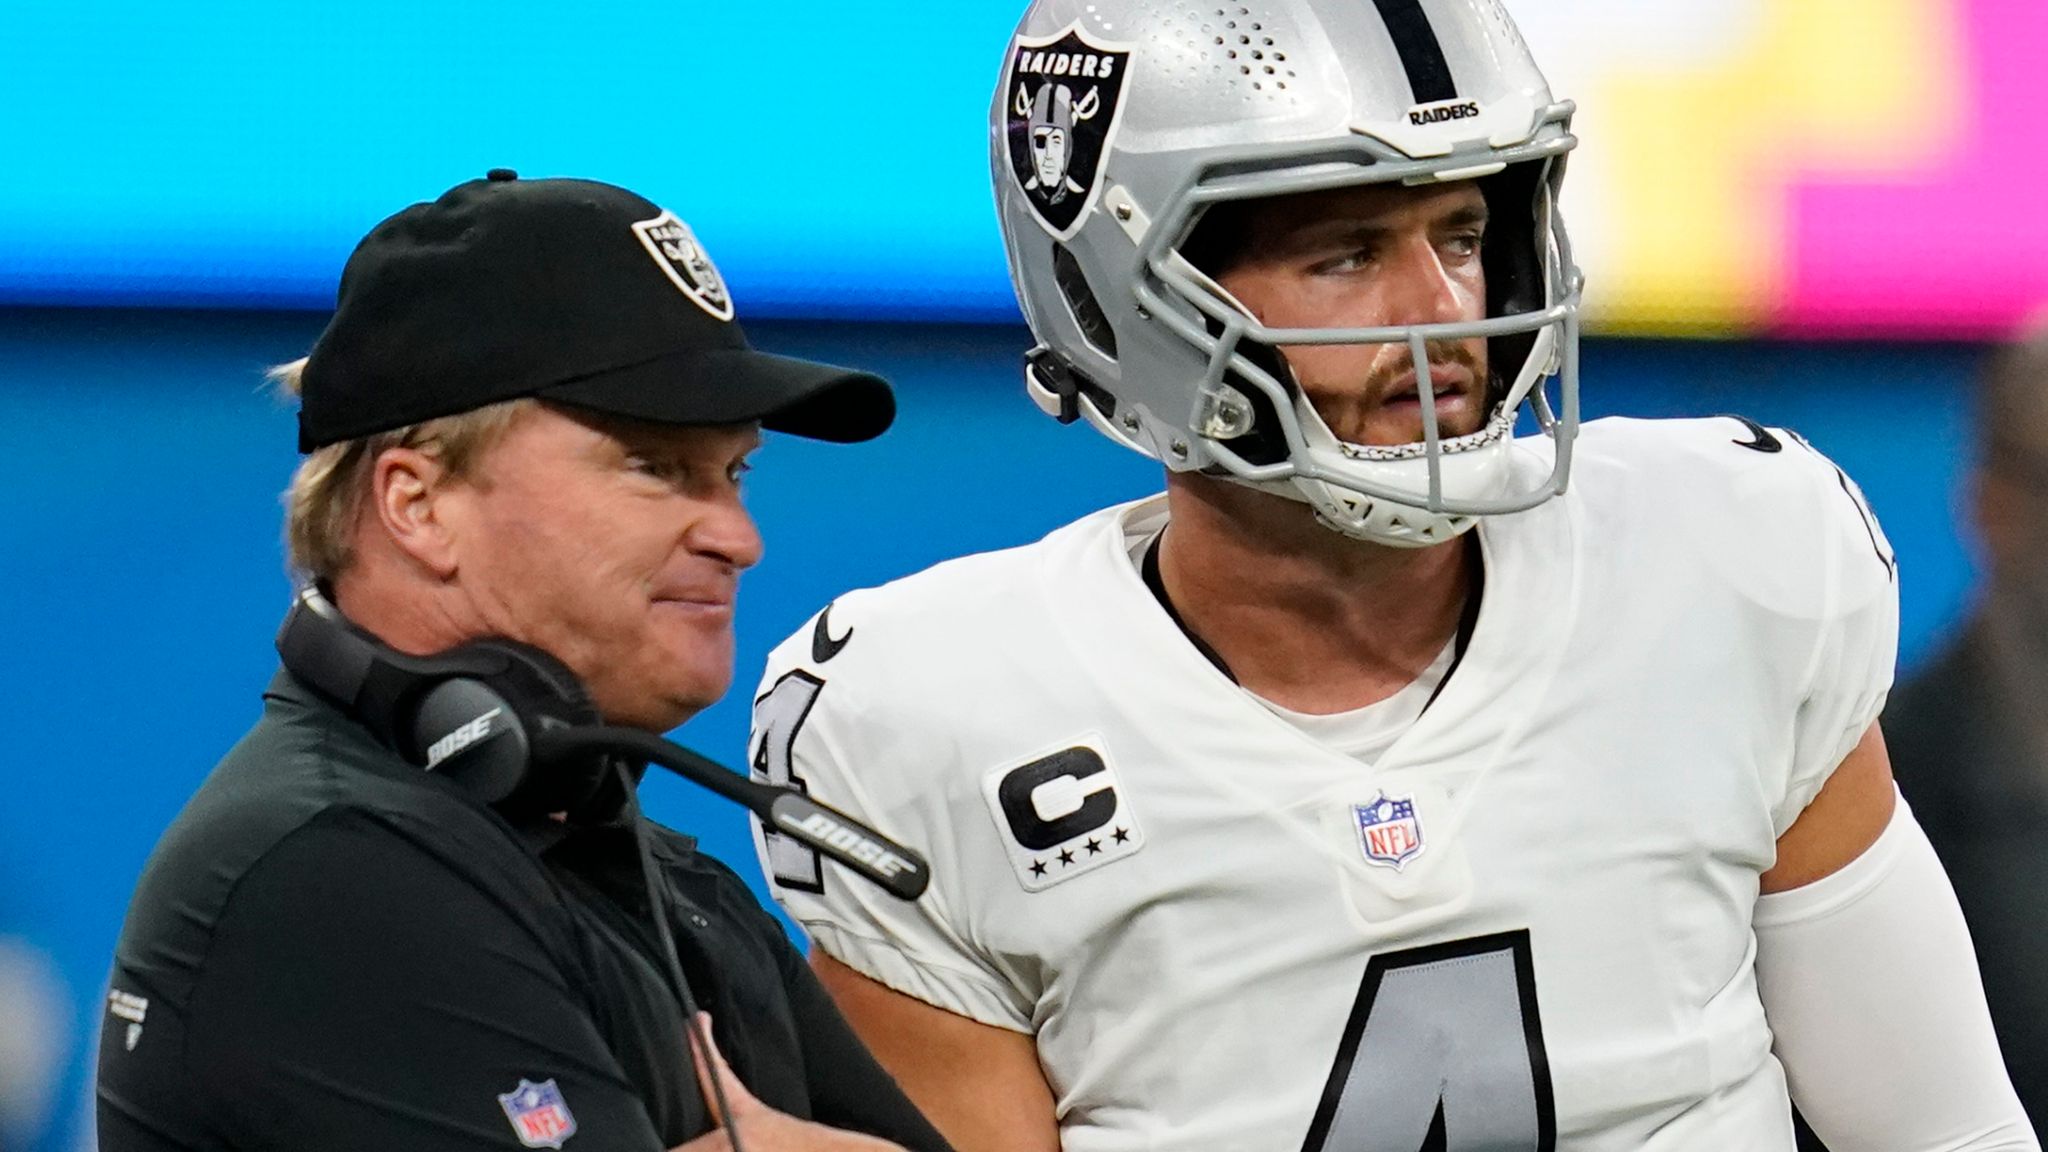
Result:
[[1148, 570], [1429, 74]]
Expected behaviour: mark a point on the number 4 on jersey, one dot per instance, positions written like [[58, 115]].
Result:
[[778, 714], [1443, 1053]]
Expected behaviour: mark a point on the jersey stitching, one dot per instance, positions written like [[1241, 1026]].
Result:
[[1843, 888], [1002, 993], [916, 958]]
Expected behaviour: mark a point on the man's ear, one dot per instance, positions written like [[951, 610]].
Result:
[[407, 490]]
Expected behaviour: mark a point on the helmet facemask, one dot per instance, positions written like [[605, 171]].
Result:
[[1260, 428]]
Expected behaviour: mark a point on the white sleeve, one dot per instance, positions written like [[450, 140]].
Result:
[[806, 724], [1850, 670], [1871, 989]]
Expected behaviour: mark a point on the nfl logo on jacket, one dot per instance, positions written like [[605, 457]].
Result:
[[540, 1118]]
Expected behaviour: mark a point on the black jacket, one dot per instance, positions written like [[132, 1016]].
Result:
[[333, 949]]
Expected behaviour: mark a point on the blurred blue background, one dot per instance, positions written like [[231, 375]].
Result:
[[142, 577], [231, 153]]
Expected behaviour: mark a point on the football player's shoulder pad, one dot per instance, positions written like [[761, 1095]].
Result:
[[1731, 498], [925, 641]]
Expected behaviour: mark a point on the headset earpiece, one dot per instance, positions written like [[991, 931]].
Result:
[[530, 691], [468, 714]]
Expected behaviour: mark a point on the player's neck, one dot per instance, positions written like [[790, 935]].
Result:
[[401, 608], [1304, 617]]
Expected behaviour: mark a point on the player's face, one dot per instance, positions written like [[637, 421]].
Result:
[[1368, 257], [617, 546]]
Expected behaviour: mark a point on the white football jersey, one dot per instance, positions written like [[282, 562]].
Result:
[[1527, 924]]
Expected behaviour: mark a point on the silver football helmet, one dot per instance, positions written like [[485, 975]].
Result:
[[1194, 102]]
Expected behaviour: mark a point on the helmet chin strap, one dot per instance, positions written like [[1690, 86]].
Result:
[[1376, 520]]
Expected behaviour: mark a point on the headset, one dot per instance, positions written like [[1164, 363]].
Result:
[[514, 728]]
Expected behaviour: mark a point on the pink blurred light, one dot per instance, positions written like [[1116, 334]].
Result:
[[1960, 252]]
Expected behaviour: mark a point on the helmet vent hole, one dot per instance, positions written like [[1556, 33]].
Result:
[[1221, 37], [1087, 310]]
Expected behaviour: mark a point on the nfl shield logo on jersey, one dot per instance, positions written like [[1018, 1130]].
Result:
[[1062, 97], [1388, 830], [539, 1116]]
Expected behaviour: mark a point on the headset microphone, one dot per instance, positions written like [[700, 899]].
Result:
[[831, 833], [514, 728]]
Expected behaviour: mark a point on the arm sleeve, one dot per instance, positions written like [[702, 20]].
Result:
[[848, 1088], [835, 741], [1856, 642], [1871, 989], [360, 994]]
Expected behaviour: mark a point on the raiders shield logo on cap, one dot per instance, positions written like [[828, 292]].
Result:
[[1063, 97], [677, 253]]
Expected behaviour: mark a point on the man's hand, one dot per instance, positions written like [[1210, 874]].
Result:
[[761, 1128]]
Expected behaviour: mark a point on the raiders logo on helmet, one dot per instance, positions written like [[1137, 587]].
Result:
[[677, 253], [1063, 95]]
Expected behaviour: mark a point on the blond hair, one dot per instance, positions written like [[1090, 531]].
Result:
[[332, 486]]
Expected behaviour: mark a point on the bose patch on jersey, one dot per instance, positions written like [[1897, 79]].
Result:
[[1062, 815], [540, 1118], [1388, 830], [1063, 96], [679, 256]]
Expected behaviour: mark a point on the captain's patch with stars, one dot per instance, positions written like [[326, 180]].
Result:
[[1062, 814]]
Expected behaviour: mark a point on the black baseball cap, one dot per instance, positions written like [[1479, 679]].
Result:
[[565, 290]]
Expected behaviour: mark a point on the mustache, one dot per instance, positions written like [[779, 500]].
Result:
[[1436, 353]]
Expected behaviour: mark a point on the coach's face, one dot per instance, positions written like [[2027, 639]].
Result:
[[1369, 257], [617, 546]]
